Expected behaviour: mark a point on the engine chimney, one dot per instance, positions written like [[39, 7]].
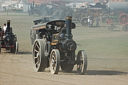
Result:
[[8, 25], [68, 27]]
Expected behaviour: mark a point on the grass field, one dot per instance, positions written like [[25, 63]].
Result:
[[106, 50]]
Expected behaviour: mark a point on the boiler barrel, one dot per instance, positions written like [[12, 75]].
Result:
[[118, 6]]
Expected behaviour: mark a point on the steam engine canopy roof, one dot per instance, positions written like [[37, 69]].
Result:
[[58, 23]]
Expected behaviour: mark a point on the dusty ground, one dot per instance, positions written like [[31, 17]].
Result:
[[107, 58]]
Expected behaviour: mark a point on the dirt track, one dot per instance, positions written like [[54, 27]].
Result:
[[18, 69]]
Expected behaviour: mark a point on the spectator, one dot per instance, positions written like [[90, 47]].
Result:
[[88, 21], [4, 28], [97, 21]]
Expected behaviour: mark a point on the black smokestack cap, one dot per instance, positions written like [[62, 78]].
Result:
[[68, 27]]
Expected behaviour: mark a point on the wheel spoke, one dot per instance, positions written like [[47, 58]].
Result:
[[53, 61], [36, 51], [37, 46], [82, 62], [35, 57], [37, 62]]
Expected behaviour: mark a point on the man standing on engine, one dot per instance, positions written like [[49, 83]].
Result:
[[4, 28]]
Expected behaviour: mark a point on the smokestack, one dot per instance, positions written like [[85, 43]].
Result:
[[68, 27], [8, 25], [33, 4]]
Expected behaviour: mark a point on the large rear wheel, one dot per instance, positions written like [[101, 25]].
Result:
[[81, 62], [39, 58], [54, 61]]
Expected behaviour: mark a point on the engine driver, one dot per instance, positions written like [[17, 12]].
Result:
[[4, 28]]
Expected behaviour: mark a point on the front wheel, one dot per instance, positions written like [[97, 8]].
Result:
[[81, 62], [54, 61]]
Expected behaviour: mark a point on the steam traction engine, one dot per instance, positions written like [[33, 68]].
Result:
[[123, 20], [54, 47], [8, 40]]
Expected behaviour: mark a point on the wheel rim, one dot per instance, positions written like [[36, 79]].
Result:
[[81, 62], [16, 48], [54, 61], [36, 52], [84, 21]]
